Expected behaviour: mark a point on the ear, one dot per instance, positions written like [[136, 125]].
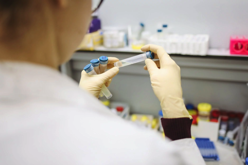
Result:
[[61, 3]]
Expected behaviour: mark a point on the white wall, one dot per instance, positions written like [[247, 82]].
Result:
[[219, 18]]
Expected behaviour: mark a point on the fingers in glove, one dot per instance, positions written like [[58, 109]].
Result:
[[111, 62], [151, 66], [107, 84], [163, 57], [156, 62], [109, 74]]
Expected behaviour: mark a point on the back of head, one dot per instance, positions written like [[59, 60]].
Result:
[[46, 32]]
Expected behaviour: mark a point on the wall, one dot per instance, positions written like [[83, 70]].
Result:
[[218, 18]]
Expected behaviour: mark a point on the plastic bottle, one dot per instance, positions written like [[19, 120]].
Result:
[[159, 34], [142, 28], [204, 110], [165, 31], [95, 63], [119, 110], [103, 61], [95, 24]]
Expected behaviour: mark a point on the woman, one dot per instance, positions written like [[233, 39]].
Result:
[[46, 119]]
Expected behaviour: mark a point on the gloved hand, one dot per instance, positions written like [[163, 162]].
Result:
[[93, 83], [166, 82]]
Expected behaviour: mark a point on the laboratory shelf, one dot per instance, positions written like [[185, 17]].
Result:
[[212, 53]]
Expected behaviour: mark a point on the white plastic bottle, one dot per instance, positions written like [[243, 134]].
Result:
[[165, 31]]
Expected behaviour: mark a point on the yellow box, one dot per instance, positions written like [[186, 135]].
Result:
[[91, 41]]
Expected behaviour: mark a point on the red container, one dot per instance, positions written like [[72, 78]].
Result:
[[239, 45]]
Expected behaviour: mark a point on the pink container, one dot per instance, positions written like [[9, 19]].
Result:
[[239, 45]]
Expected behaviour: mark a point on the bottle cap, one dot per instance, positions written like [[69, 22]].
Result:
[[144, 118], [88, 68], [215, 113], [159, 30], [205, 107], [190, 106], [150, 55], [119, 109], [214, 120], [165, 25], [142, 25], [103, 60], [134, 117], [224, 118], [95, 62]]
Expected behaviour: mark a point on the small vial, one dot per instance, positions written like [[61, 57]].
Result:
[[165, 30], [119, 110], [90, 70], [134, 59], [103, 61], [141, 30], [160, 34], [95, 63]]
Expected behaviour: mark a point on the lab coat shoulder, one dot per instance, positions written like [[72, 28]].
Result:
[[108, 139], [48, 120]]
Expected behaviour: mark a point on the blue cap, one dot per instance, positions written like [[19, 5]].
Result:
[[95, 62], [103, 60], [165, 25], [88, 68], [160, 113], [190, 106], [142, 25], [159, 30], [150, 55], [246, 161], [221, 138]]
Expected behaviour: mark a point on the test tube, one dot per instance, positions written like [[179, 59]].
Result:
[[95, 63], [134, 59], [90, 70], [103, 61], [142, 28]]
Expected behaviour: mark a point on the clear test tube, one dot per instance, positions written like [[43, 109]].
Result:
[[90, 70], [134, 59], [95, 63], [103, 67], [103, 61]]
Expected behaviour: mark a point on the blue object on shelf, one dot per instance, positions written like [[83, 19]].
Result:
[[207, 149], [160, 113], [246, 161], [221, 138], [190, 106]]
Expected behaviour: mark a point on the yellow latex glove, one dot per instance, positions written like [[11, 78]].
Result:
[[93, 83], [166, 82]]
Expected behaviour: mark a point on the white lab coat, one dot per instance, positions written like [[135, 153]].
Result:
[[46, 119]]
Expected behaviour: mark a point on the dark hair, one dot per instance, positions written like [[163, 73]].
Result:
[[14, 16]]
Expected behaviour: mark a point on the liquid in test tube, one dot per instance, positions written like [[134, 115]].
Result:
[[103, 61], [134, 59], [90, 70], [95, 63]]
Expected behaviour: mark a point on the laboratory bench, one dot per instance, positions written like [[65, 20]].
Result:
[[227, 155]]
